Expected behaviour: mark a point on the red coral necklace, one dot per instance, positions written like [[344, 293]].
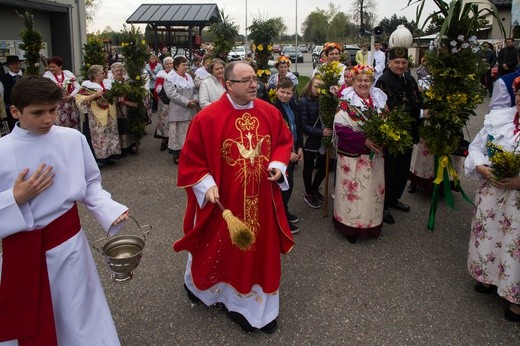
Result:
[[60, 78]]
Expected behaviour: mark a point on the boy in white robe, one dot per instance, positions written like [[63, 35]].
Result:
[[50, 292]]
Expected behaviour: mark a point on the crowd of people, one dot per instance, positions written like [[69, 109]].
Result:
[[236, 151]]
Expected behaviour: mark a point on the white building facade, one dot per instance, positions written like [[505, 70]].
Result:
[[62, 24]]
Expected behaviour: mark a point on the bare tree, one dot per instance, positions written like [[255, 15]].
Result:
[[363, 12], [91, 6]]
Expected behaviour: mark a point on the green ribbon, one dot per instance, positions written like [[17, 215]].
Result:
[[444, 168]]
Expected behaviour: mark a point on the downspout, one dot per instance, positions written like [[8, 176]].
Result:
[[80, 32]]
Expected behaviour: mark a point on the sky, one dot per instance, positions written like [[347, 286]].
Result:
[[114, 13]]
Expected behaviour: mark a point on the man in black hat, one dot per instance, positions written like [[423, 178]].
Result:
[[7, 80], [402, 90]]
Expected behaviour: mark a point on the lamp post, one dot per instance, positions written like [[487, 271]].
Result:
[[296, 39], [246, 28]]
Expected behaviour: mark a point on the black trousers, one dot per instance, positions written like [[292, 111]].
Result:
[[286, 195], [397, 170], [313, 185]]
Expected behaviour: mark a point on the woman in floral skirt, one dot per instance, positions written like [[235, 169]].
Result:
[[68, 114], [360, 179], [494, 245], [100, 126]]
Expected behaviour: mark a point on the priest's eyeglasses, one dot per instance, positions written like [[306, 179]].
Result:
[[248, 81]]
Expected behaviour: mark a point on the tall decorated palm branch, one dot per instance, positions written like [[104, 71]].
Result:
[[262, 32], [134, 49], [93, 54], [224, 32], [31, 43], [455, 91]]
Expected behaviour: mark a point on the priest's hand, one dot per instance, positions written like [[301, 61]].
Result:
[[41, 179], [121, 218], [212, 194], [274, 174]]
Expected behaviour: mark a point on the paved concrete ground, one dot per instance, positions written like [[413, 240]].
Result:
[[410, 286]]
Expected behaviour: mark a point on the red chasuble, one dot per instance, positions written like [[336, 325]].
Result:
[[235, 147]]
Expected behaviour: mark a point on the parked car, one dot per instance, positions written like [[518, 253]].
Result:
[[351, 49], [316, 51], [237, 53], [303, 48], [293, 53], [277, 48], [284, 48]]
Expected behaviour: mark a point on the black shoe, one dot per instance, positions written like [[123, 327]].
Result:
[[292, 218], [164, 146], [486, 289], [221, 307], [401, 206], [312, 201], [106, 162], [270, 327], [130, 150], [318, 196], [118, 156], [241, 321], [388, 218], [511, 316], [351, 238], [294, 229], [191, 296]]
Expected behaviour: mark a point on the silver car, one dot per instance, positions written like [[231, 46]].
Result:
[[293, 54]]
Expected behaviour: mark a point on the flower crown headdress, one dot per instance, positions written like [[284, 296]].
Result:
[[282, 59], [362, 69], [516, 84], [332, 45]]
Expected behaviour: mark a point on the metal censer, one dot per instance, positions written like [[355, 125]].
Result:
[[123, 253]]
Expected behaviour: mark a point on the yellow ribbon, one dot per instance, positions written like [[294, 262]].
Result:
[[445, 163]]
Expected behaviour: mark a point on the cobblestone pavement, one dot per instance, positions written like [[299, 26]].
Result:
[[410, 286]]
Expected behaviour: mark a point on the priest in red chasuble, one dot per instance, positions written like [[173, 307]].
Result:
[[236, 152]]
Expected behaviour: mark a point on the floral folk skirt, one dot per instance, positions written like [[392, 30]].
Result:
[[161, 130], [68, 115], [494, 245], [359, 195], [422, 166]]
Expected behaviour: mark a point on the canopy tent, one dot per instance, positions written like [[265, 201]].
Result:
[[181, 24]]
